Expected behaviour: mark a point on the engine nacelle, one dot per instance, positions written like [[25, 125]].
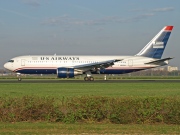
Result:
[[67, 73]]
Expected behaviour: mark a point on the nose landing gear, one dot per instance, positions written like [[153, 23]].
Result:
[[19, 76], [19, 79]]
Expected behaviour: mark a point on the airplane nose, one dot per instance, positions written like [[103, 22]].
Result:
[[6, 65]]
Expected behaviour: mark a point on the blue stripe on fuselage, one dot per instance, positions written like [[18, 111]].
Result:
[[117, 71], [53, 71], [37, 71]]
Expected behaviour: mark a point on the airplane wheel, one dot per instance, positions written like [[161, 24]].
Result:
[[91, 79], [86, 78]]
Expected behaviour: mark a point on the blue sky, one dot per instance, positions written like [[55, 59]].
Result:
[[80, 27]]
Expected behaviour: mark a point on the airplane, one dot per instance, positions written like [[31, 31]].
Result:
[[70, 66]]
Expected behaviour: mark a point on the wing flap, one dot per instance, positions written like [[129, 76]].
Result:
[[96, 65]]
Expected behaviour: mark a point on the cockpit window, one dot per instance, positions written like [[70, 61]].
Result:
[[11, 61]]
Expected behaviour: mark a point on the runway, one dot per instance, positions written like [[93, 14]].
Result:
[[82, 81]]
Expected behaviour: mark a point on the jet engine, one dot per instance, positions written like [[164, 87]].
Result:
[[67, 72]]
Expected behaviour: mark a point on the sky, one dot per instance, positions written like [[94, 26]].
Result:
[[85, 27]]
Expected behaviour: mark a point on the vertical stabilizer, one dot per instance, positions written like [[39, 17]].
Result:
[[156, 47]]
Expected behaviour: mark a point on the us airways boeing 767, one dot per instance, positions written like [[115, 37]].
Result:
[[70, 66]]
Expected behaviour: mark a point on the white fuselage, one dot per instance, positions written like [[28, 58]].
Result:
[[48, 64]]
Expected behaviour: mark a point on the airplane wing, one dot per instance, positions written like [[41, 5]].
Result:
[[97, 65], [159, 61]]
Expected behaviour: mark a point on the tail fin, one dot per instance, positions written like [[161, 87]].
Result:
[[156, 47]]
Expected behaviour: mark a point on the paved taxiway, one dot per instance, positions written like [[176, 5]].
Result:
[[96, 81]]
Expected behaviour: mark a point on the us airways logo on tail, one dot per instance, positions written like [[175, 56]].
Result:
[[59, 58], [156, 47]]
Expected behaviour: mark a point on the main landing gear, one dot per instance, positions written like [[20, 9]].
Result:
[[88, 77]]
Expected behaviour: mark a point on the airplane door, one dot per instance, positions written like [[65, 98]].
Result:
[[23, 62], [130, 62]]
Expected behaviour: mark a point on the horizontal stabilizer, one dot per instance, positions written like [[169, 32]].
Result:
[[159, 61]]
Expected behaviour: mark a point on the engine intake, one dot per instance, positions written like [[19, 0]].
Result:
[[67, 73]]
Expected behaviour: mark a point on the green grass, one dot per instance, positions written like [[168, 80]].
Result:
[[81, 89], [57, 128]]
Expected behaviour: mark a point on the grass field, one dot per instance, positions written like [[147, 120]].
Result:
[[80, 89], [85, 129], [88, 89]]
